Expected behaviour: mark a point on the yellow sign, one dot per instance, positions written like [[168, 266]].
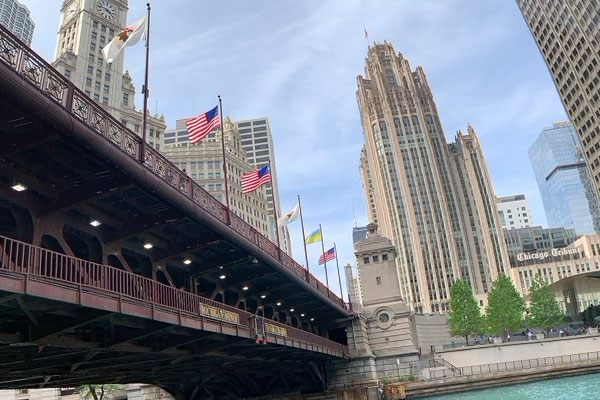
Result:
[[219, 313], [276, 329]]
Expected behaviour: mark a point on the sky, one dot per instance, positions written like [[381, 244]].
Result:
[[297, 62]]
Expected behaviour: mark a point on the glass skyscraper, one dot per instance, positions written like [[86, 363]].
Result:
[[564, 179]]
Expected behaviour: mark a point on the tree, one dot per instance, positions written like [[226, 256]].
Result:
[[505, 307], [544, 310], [465, 316], [97, 392]]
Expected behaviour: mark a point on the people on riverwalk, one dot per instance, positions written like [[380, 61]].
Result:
[[529, 335]]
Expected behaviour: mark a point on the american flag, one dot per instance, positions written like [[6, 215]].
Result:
[[327, 256], [199, 127], [253, 180]]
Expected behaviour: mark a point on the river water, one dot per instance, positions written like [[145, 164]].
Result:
[[572, 388]]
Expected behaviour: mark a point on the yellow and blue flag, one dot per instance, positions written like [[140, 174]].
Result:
[[316, 236]]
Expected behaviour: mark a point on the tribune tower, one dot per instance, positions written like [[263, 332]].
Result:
[[433, 199]]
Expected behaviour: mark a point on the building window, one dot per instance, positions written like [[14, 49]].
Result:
[[88, 82], [93, 46], [96, 97], [125, 99], [366, 260], [375, 259], [90, 69], [91, 57], [384, 257], [106, 88], [95, 24], [94, 35], [378, 280], [68, 73], [97, 85], [107, 76], [105, 101]]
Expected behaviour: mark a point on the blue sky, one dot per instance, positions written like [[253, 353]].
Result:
[[296, 62]]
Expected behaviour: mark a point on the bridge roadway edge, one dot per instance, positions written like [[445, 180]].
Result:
[[58, 117]]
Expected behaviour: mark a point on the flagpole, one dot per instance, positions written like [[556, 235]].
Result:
[[274, 211], [337, 262], [324, 258], [224, 163], [145, 91], [303, 235]]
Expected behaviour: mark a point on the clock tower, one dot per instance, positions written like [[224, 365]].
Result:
[[86, 26]]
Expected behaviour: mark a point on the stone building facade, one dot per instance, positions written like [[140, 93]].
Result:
[[434, 200]]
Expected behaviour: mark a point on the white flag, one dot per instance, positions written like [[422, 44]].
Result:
[[129, 36], [290, 216]]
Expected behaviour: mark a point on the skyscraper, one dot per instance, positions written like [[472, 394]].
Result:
[[564, 180], [515, 212], [86, 26], [203, 162], [568, 35], [433, 199], [15, 16], [257, 141]]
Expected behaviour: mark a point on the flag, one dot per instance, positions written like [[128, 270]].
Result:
[[199, 127], [129, 36], [366, 33], [253, 180], [290, 216], [327, 256], [316, 236]]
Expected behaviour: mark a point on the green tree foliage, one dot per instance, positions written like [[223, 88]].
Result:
[[505, 307], [98, 392], [465, 316], [544, 310]]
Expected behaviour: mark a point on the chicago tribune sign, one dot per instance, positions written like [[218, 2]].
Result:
[[542, 255]]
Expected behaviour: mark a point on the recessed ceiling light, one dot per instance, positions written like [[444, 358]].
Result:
[[278, 303], [148, 246], [187, 261], [18, 187], [222, 277], [245, 288], [95, 222], [312, 319], [302, 315], [262, 296], [291, 310]]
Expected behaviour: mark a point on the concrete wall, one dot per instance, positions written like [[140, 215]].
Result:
[[527, 350], [431, 330]]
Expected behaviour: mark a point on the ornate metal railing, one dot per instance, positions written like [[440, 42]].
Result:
[[34, 69], [60, 270]]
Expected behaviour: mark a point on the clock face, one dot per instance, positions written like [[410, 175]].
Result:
[[72, 10], [106, 9]]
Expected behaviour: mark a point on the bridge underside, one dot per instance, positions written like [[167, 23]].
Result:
[[73, 179], [52, 344], [75, 164]]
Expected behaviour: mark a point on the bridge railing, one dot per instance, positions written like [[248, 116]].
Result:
[[31, 260], [33, 68]]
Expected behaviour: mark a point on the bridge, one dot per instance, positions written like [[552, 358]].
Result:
[[116, 267]]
